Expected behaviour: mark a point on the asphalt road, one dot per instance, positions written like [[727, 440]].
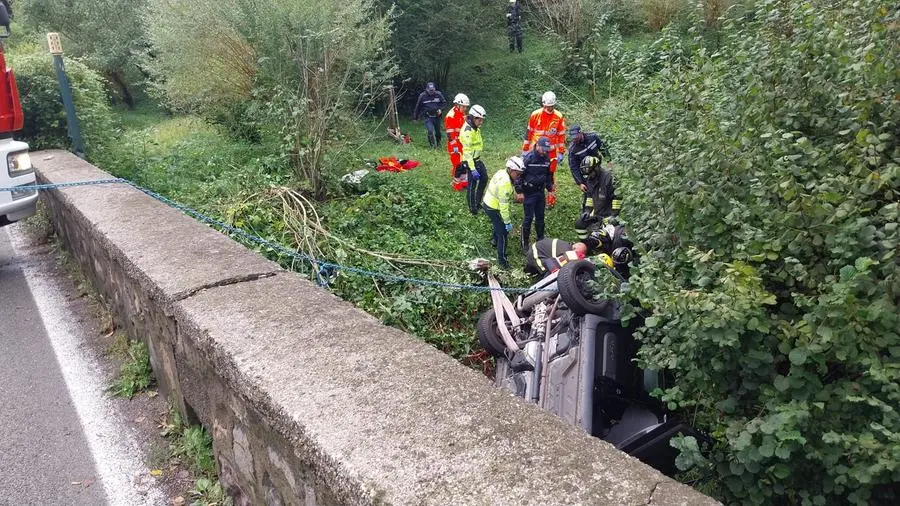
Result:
[[60, 442]]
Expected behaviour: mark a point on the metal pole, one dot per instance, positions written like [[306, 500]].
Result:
[[66, 92]]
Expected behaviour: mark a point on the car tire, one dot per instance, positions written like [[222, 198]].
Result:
[[489, 335], [571, 287]]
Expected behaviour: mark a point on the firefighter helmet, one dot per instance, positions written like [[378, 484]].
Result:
[[548, 98], [605, 259], [461, 99], [477, 111], [589, 166], [622, 256]]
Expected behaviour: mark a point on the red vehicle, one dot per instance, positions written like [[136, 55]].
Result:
[[14, 204]]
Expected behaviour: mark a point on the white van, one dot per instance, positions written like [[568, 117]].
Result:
[[16, 204], [15, 168]]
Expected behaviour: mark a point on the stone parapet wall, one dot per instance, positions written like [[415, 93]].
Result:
[[310, 400]]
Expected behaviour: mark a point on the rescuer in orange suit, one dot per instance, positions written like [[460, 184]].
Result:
[[549, 122], [453, 123]]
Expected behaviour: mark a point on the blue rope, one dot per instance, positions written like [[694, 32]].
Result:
[[321, 268]]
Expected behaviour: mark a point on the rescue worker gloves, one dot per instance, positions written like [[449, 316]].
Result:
[[551, 199], [477, 111], [509, 227], [548, 99], [461, 99]]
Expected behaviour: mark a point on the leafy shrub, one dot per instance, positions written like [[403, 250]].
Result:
[[45, 116], [764, 183], [310, 68]]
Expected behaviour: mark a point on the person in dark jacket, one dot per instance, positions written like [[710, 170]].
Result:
[[599, 203], [534, 181], [584, 144], [514, 25], [430, 104], [549, 255]]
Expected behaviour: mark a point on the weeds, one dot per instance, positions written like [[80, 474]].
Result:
[[207, 492], [40, 225], [135, 374], [191, 445], [118, 348]]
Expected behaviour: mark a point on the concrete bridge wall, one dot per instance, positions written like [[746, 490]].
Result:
[[311, 401]]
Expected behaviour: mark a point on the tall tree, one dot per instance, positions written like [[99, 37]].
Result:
[[309, 68], [106, 33], [428, 33]]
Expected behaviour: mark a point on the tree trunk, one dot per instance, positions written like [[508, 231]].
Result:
[[116, 78]]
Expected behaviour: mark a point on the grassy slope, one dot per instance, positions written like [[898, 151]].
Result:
[[509, 88], [414, 213]]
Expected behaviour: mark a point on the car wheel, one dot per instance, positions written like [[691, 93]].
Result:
[[489, 334], [572, 282]]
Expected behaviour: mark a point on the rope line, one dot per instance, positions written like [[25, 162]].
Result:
[[321, 268]]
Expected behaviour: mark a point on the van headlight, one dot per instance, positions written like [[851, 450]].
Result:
[[19, 164]]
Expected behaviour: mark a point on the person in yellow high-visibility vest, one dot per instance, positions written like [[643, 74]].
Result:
[[500, 191], [472, 148]]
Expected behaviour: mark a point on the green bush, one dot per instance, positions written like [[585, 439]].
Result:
[[763, 180], [45, 116]]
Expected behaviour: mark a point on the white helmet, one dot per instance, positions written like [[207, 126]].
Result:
[[461, 99], [515, 163], [477, 111], [548, 98]]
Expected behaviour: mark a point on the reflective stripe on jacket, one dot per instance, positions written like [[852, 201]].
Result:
[[429, 104], [601, 197], [453, 123], [499, 193], [472, 144], [552, 125], [592, 145], [550, 254], [537, 177]]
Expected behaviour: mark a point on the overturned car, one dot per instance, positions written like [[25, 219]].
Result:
[[560, 348]]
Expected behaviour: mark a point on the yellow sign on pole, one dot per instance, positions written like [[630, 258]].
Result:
[[54, 43]]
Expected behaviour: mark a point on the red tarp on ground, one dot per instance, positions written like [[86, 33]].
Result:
[[392, 164]]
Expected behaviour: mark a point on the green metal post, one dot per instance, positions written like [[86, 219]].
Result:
[[66, 92]]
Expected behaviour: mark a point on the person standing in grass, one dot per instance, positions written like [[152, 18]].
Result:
[[431, 102], [472, 148], [453, 123], [496, 204], [514, 25], [534, 181], [547, 122]]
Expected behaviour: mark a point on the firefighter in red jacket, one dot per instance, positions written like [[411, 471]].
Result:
[[453, 123], [549, 122]]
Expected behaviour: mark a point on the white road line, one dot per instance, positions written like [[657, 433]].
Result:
[[116, 454]]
